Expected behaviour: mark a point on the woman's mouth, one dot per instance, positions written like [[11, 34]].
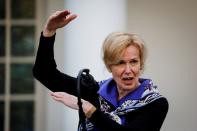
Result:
[[128, 80]]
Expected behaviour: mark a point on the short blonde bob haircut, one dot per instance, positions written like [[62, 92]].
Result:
[[116, 42]]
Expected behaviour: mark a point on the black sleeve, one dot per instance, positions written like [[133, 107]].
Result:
[[45, 70], [149, 118]]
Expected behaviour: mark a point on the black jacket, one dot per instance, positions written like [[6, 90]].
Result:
[[147, 118]]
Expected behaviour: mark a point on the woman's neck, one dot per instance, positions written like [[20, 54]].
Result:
[[123, 93]]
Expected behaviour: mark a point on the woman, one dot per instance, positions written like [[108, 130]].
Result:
[[124, 102]]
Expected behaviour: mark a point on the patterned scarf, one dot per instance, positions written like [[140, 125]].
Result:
[[149, 94]]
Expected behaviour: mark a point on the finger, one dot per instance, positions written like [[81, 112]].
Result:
[[52, 93], [70, 18], [57, 99], [57, 94], [63, 13], [60, 14]]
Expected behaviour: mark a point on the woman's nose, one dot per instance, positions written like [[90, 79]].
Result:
[[128, 68]]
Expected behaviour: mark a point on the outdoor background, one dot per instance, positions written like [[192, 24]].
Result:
[[167, 26]]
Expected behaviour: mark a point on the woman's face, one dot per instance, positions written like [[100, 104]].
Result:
[[126, 72]]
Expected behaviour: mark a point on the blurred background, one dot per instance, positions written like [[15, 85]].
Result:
[[167, 26]]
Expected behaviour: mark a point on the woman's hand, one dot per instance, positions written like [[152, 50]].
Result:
[[71, 101], [57, 20]]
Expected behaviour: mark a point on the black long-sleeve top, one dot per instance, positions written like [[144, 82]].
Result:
[[147, 118]]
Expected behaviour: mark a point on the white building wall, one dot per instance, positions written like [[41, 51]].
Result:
[[169, 29]]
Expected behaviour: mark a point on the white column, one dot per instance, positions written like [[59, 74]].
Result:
[[84, 37], [54, 110]]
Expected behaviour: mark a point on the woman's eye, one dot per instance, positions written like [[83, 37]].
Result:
[[120, 63], [134, 61]]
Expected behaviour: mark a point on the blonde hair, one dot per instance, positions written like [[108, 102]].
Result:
[[116, 42]]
